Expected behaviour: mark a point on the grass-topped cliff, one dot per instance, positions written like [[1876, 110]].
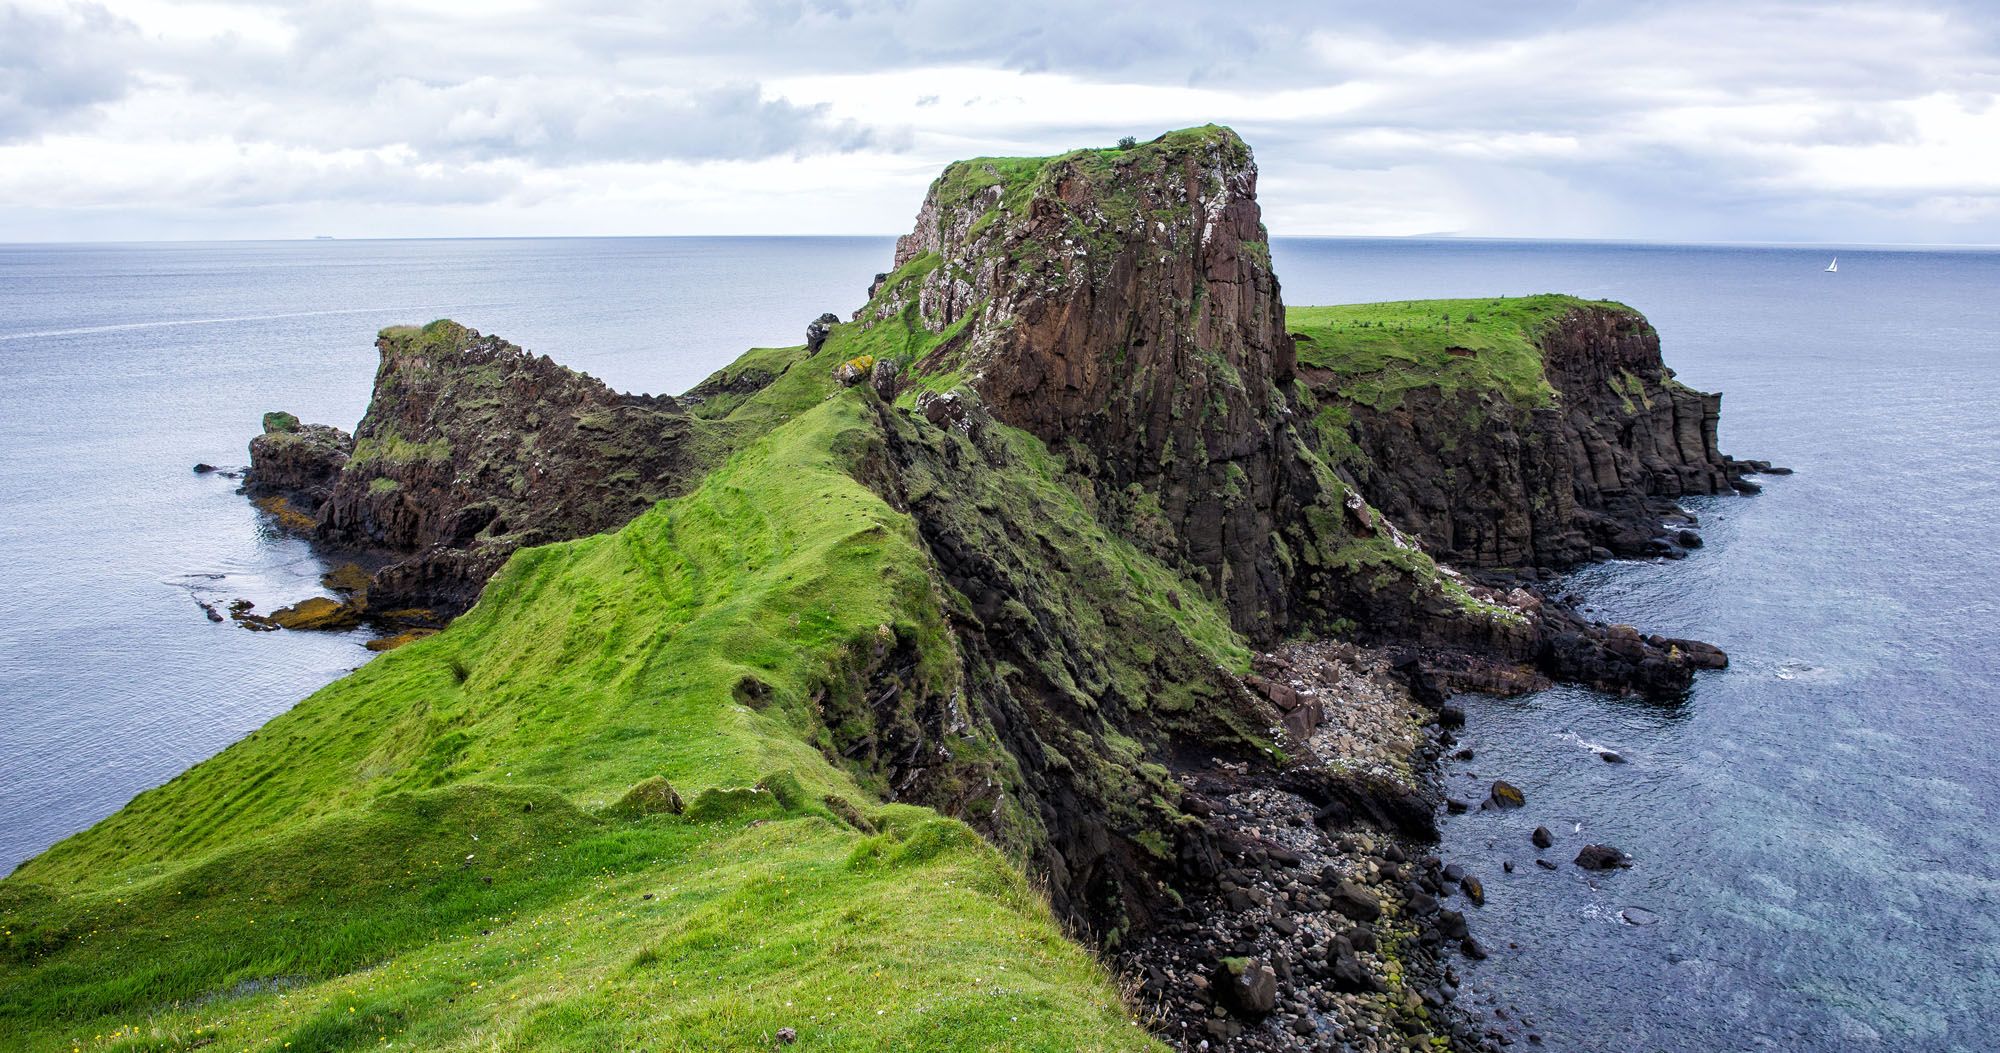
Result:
[[1517, 432], [852, 680], [1378, 351], [434, 850]]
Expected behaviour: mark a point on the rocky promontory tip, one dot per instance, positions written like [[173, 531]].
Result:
[[471, 449]]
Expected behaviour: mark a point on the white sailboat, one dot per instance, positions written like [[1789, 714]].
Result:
[[1834, 267]]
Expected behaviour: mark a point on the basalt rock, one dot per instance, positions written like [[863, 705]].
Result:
[[1602, 857], [472, 448], [299, 463], [1489, 477], [1122, 308], [1067, 703]]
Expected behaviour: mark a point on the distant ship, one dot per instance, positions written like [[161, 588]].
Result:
[[1834, 267], [322, 237]]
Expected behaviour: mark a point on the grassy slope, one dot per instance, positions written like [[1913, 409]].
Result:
[[1379, 351], [320, 883]]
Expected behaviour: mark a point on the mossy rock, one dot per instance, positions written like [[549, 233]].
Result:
[[785, 787], [412, 617], [318, 614], [281, 423], [391, 642], [288, 517], [654, 796], [348, 577]]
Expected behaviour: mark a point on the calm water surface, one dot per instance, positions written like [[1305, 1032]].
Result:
[[1811, 826]]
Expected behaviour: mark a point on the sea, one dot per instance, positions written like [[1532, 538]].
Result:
[[1816, 859]]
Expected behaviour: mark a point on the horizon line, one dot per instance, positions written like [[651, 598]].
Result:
[[1914, 246]]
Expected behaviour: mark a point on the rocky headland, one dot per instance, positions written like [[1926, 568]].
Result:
[[1072, 536]]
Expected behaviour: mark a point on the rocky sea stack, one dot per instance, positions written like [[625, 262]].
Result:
[[1071, 596]]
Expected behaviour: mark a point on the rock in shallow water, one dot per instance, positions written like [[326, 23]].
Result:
[[1602, 857], [1638, 916], [318, 613], [1542, 838]]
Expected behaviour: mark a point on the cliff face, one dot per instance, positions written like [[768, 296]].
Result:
[[1580, 457], [471, 449], [1120, 306]]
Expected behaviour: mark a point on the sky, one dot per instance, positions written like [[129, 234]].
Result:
[[1669, 120]]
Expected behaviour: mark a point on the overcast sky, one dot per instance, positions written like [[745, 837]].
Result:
[[1672, 120]]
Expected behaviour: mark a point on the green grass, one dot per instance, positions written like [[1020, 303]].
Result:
[[1376, 352], [429, 853]]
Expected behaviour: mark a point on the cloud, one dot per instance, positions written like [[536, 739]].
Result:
[[565, 122], [1750, 119], [53, 69]]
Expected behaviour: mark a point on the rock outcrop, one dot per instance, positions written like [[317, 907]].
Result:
[[1587, 466], [1120, 305], [472, 448], [297, 463]]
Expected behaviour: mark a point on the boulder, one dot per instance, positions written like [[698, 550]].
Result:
[[885, 378], [1355, 901], [1346, 971], [1505, 795], [1246, 986], [819, 329], [1602, 857], [650, 796]]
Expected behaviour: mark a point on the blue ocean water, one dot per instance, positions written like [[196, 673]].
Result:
[[1811, 828]]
